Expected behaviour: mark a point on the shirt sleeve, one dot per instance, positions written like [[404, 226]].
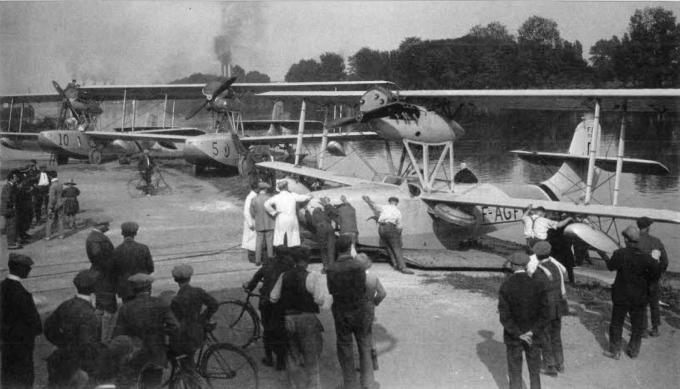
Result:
[[275, 294], [300, 197], [269, 205], [380, 292], [315, 285]]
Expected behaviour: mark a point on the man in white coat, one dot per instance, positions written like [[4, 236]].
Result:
[[249, 233], [283, 207]]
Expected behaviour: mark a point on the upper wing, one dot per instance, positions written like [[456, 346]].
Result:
[[314, 173], [279, 139], [480, 196]]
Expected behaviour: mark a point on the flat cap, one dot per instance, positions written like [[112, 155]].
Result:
[[20, 259], [542, 248], [99, 220], [519, 258], [182, 271], [85, 280], [632, 233], [140, 280], [129, 228], [644, 222], [263, 185]]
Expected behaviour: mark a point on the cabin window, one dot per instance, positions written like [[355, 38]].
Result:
[[414, 190]]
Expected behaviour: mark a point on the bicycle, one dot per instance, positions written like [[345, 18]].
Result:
[[138, 187], [215, 365], [239, 322]]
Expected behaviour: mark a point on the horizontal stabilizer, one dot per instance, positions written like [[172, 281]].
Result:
[[630, 165]]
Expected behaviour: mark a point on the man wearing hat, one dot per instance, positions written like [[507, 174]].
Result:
[[129, 258], [283, 207], [19, 325], [651, 245], [145, 168], [551, 273], [100, 253], [55, 209], [524, 312], [635, 270], [8, 209], [264, 223], [75, 329], [193, 307], [150, 320], [71, 206]]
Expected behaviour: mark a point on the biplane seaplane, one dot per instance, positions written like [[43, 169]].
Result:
[[221, 146], [438, 213]]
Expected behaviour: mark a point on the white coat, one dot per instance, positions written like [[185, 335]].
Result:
[[249, 236], [283, 206]]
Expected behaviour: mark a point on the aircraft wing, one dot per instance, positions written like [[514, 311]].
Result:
[[19, 135], [481, 196], [30, 98], [630, 165], [133, 136], [314, 173], [280, 139]]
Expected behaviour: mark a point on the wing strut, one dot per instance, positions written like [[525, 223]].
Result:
[[619, 156], [21, 116], [324, 139], [165, 108], [9, 122], [301, 130], [122, 120], [593, 152]]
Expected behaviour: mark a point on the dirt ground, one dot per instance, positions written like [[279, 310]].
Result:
[[436, 329]]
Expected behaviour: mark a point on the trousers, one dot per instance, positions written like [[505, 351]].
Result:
[[17, 365], [11, 230], [305, 343], [274, 335], [619, 312], [551, 344], [264, 239], [654, 293], [55, 217], [326, 238], [514, 356], [391, 237], [350, 326]]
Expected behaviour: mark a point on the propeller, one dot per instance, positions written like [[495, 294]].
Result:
[[211, 94], [392, 109], [67, 101]]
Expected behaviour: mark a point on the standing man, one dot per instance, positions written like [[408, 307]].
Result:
[[8, 209], [24, 207], [325, 234], [249, 234], [302, 293], [264, 224], [346, 219], [55, 209], [635, 270], [193, 307], [150, 320], [283, 206], [523, 308], [375, 294], [651, 245], [389, 230], [347, 283], [536, 225], [130, 258], [19, 325], [75, 329], [40, 194], [551, 274], [145, 168], [100, 253]]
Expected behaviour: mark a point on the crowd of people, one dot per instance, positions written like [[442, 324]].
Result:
[[34, 196]]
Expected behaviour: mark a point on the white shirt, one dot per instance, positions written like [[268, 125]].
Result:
[[43, 180], [284, 207], [537, 226], [314, 283], [390, 214], [13, 277]]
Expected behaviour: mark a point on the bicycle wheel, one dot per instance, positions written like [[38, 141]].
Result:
[[188, 379], [135, 187], [227, 366], [237, 323]]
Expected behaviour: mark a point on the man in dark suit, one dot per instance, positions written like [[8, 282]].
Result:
[[550, 273], [130, 258], [635, 270], [523, 308], [651, 245], [19, 325], [188, 307], [100, 253], [150, 320], [8, 209], [75, 329], [320, 218]]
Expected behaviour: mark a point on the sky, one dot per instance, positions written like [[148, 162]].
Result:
[[142, 42]]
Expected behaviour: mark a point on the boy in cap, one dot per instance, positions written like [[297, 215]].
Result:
[[18, 329], [523, 308], [129, 258], [148, 319], [75, 328], [651, 245], [71, 206], [100, 253], [187, 306], [630, 292]]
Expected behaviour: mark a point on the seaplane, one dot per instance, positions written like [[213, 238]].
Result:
[[439, 213], [221, 146]]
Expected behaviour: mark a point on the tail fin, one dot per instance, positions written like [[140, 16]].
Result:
[[278, 114]]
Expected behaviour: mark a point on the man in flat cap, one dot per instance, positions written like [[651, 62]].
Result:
[[551, 273], [75, 328], [630, 292], [100, 253], [18, 329], [8, 209], [524, 312], [150, 320], [193, 307], [651, 245], [264, 224], [129, 258]]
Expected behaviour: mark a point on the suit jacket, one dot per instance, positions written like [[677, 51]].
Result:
[[263, 220], [8, 200], [523, 306], [19, 317], [346, 218], [55, 201], [635, 270], [553, 287], [130, 258], [148, 319], [75, 327], [187, 306], [647, 243]]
